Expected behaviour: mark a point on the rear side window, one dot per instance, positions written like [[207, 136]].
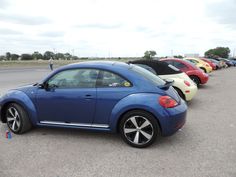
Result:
[[148, 75], [109, 79]]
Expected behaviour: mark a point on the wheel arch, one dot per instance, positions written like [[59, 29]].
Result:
[[178, 89], [137, 109], [203, 68], [22, 100], [194, 75]]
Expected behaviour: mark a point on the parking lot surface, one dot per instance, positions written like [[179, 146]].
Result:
[[205, 147]]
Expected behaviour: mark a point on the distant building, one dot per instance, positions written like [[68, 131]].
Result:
[[192, 55]]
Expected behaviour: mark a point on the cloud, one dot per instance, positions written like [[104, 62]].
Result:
[[6, 31], [3, 4], [99, 26], [52, 34], [117, 28], [24, 19], [223, 12]]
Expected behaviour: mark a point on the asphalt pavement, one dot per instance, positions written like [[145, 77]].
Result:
[[205, 147]]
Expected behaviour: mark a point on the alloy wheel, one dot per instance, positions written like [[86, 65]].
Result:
[[13, 119], [138, 130]]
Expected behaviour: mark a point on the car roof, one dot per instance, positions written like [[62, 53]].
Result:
[[161, 68], [98, 63]]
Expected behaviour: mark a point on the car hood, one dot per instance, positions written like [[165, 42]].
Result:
[[25, 88]]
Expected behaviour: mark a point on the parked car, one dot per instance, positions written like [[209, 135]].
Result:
[[201, 64], [185, 87], [196, 74], [102, 96], [222, 62], [228, 62], [233, 61], [213, 65], [218, 64]]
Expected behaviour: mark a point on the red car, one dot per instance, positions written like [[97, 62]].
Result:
[[210, 63], [195, 73]]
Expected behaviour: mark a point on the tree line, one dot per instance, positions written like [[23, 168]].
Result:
[[38, 56], [218, 52]]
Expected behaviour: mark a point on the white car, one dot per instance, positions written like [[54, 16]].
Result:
[[185, 87]]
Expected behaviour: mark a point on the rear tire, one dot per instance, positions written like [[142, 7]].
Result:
[[139, 128], [195, 79], [17, 119]]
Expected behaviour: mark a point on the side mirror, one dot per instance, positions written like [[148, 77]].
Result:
[[41, 86]]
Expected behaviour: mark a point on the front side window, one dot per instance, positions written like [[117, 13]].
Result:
[[74, 78], [109, 79]]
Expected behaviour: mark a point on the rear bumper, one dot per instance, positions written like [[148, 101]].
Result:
[[190, 92], [175, 120], [209, 69], [204, 78]]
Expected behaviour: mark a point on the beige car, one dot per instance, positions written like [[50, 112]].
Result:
[[185, 87]]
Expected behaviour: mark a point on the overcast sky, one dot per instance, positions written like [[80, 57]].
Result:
[[114, 28]]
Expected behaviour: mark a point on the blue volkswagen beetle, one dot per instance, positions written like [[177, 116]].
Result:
[[104, 96]]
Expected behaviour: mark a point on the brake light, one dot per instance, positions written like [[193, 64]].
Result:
[[187, 83], [167, 102], [207, 65]]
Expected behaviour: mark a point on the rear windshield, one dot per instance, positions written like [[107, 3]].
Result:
[[148, 75]]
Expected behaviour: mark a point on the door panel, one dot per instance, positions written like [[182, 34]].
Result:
[[69, 96], [66, 105], [111, 88]]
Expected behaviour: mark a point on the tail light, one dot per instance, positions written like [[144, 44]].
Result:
[[187, 83], [167, 102], [207, 65]]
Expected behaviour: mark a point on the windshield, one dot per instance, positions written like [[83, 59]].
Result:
[[148, 75], [193, 65]]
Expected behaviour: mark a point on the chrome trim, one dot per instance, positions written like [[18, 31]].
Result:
[[75, 124]]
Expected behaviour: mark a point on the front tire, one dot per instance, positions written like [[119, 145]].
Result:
[[139, 128], [17, 119]]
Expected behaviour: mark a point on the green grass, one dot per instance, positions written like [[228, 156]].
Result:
[[44, 63]]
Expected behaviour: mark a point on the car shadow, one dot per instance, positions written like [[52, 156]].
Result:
[[193, 103], [41, 134], [205, 86]]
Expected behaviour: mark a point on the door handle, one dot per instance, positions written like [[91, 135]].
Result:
[[88, 97]]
